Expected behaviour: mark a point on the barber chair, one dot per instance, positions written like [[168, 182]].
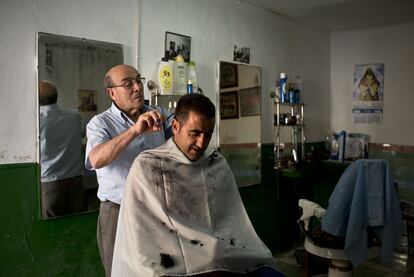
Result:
[[363, 219], [328, 246]]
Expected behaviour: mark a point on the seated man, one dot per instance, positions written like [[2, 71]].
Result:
[[182, 213]]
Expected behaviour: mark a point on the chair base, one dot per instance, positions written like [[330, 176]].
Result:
[[339, 265], [340, 268]]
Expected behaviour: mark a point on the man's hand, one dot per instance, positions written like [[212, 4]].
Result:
[[104, 153], [150, 121]]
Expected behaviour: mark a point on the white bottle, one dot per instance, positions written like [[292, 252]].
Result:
[[180, 82], [192, 75], [165, 77]]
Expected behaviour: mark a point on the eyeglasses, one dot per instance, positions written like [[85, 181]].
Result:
[[129, 82]]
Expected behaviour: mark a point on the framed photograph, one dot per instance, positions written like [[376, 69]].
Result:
[[176, 44], [229, 105], [228, 75], [241, 54], [86, 100], [250, 103], [87, 108]]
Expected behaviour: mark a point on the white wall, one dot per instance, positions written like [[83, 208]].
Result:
[[392, 46], [276, 45], [20, 20], [215, 26]]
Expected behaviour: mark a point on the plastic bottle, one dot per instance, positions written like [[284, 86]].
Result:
[[180, 84], [283, 88], [189, 87], [291, 94], [342, 144], [334, 147], [165, 77], [192, 75], [298, 89]]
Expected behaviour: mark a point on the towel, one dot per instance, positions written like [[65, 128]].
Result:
[[365, 196]]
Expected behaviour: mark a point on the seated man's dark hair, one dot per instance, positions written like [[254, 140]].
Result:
[[196, 103]]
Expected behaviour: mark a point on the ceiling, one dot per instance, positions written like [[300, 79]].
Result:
[[341, 14]]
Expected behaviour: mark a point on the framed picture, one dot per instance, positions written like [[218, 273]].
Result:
[[176, 44], [86, 100], [228, 75], [241, 54], [250, 103], [229, 105]]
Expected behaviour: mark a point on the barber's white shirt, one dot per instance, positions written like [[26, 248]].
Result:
[[60, 143], [104, 127]]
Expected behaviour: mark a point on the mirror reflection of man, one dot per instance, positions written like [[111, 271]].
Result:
[[182, 214], [60, 156], [114, 138]]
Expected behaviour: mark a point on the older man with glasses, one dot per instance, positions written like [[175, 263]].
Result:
[[115, 137]]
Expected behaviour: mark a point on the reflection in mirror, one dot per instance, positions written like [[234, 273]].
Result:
[[239, 127], [70, 77]]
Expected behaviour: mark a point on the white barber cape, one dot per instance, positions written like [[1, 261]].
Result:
[[180, 218]]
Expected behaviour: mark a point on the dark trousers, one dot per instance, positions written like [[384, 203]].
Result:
[[62, 197], [105, 233]]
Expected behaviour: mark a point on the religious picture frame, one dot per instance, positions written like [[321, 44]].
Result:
[[250, 101], [228, 75], [176, 44], [229, 104]]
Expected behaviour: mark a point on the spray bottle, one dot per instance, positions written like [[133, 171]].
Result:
[[283, 88]]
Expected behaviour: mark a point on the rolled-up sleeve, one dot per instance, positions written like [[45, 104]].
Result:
[[96, 133]]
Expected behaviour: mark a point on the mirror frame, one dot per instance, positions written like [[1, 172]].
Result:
[[59, 56], [234, 85]]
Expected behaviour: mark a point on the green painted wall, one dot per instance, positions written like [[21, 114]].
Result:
[[34, 247]]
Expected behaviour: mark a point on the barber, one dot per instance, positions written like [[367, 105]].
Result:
[[115, 138], [60, 155]]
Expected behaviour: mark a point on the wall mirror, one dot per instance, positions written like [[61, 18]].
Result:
[[239, 124], [76, 67]]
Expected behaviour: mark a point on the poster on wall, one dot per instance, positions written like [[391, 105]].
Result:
[[368, 93]]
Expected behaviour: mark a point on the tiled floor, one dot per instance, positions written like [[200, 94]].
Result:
[[402, 265]]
